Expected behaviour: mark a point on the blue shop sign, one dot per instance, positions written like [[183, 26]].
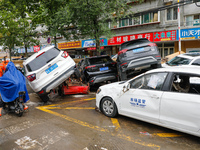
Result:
[[91, 42], [187, 34]]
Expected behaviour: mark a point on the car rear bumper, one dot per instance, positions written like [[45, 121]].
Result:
[[56, 82], [141, 63], [102, 78]]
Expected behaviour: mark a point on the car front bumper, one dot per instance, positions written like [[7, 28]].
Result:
[[102, 78]]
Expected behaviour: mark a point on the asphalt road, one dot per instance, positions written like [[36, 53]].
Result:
[[72, 122]]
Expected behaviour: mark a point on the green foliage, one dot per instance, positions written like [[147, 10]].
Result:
[[15, 18], [8, 26], [91, 17]]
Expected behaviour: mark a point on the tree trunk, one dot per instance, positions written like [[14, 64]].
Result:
[[98, 46], [55, 41], [10, 49], [26, 53]]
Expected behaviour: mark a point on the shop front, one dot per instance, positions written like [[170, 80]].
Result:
[[190, 40], [165, 41], [73, 48], [90, 47]]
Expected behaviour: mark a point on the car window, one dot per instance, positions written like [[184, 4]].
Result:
[[99, 60], [185, 83], [153, 81], [43, 59], [196, 62], [133, 43], [179, 61]]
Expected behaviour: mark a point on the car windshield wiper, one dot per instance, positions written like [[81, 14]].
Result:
[[50, 59]]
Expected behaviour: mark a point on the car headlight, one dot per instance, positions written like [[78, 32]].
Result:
[[98, 91]]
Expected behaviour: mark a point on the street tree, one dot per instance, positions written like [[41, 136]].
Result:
[[53, 15], [24, 12], [91, 18], [9, 26]]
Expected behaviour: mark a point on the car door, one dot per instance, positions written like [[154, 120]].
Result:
[[181, 109], [142, 100]]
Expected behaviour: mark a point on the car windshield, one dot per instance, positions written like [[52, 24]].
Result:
[[179, 61], [42, 60], [99, 60]]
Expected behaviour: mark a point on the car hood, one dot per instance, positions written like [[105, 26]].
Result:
[[113, 85]]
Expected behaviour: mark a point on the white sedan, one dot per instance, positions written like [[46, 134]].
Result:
[[169, 97]]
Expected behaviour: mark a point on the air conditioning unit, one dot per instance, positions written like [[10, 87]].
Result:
[[167, 1], [196, 22]]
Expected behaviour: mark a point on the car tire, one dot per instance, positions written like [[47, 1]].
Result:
[[60, 92], [44, 98], [108, 107]]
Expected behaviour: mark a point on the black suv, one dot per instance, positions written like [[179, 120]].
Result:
[[97, 69], [136, 55]]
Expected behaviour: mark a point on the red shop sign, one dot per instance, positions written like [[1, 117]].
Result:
[[93, 48], [117, 40], [165, 36], [36, 48]]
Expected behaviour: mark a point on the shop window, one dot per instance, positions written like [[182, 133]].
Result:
[[172, 13]]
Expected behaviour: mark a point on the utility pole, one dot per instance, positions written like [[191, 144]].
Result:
[[179, 28]]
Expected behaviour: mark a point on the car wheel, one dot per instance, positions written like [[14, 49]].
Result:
[[108, 107], [60, 92], [44, 98]]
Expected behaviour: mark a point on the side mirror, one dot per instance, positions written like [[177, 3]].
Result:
[[126, 87]]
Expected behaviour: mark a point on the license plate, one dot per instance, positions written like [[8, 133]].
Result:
[[51, 68], [103, 68], [138, 50]]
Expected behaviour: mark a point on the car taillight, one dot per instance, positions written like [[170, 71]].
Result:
[[122, 51], [31, 77], [158, 56], [123, 64], [152, 44], [65, 54], [41, 92], [90, 67], [40, 54]]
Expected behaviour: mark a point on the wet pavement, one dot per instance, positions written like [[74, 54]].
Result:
[[72, 122]]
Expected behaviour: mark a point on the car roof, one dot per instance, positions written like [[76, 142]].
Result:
[[188, 69], [190, 55], [97, 56], [29, 59]]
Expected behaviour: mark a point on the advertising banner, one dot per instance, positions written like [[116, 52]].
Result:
[[69, 45], [91, 42], [165, 36], [187, 34], [117, 40], [36, 48]]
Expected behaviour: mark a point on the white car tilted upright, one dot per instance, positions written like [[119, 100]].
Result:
[[169, 97], [47, 69]]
